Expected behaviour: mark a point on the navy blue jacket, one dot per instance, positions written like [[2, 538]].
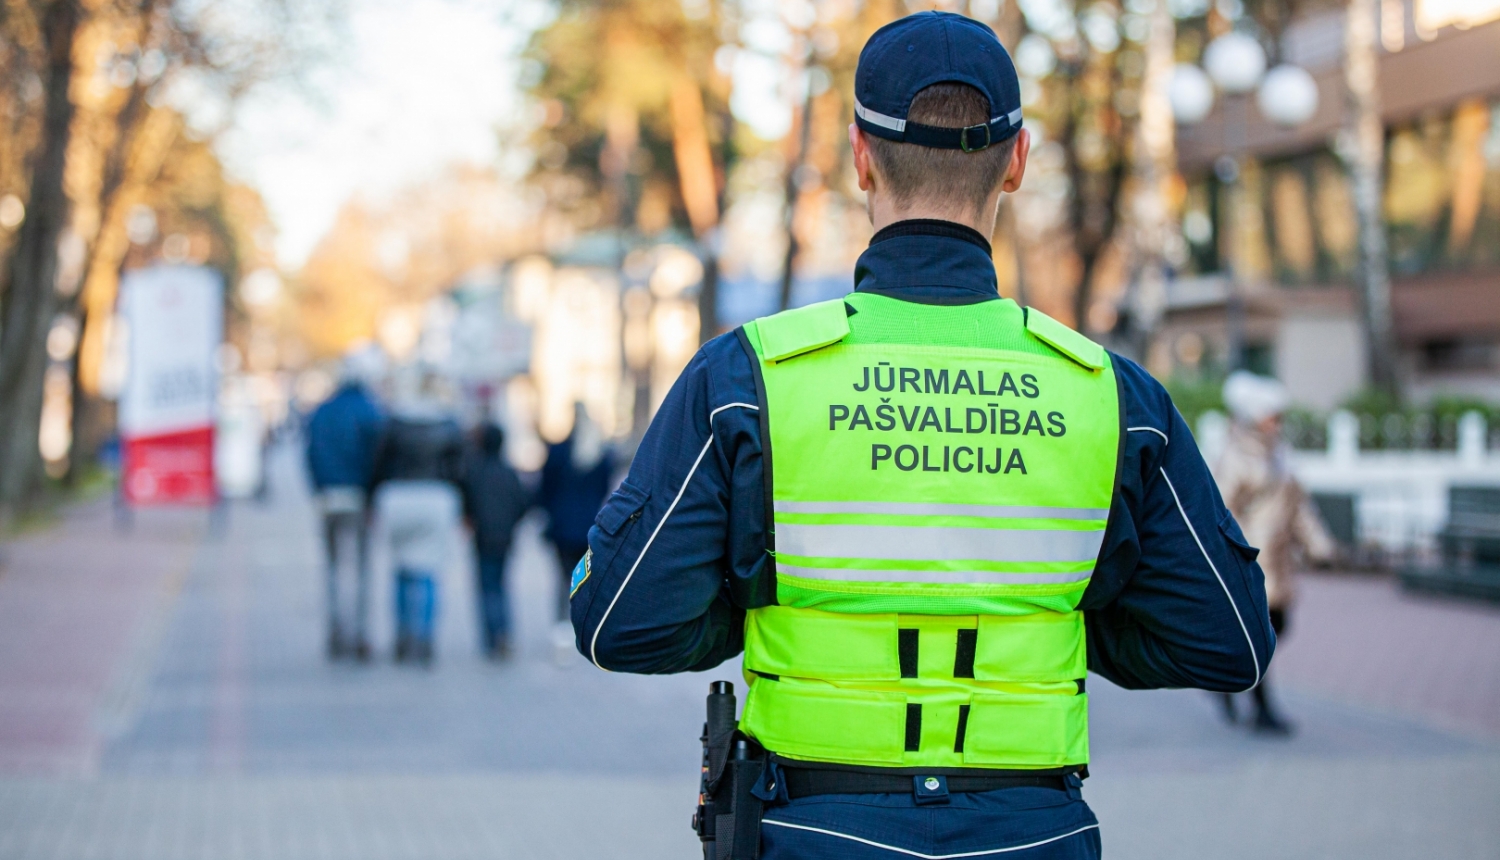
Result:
[[1176, 599], [342, 437]]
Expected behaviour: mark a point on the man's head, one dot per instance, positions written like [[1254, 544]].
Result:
[[1257, 401], [491, 439], [937, 129]]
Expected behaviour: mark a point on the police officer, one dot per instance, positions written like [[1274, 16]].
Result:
[[922, 513]]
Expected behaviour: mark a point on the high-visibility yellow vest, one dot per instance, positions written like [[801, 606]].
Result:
[[940, 480]]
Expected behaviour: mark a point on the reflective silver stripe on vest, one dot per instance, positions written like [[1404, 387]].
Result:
[[958, 577], [937, 543], [939, 509]]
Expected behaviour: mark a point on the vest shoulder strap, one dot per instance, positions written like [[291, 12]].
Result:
[[1064, 340], [794, 332]]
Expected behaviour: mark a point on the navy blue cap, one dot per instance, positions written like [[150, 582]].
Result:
[[910, 54]]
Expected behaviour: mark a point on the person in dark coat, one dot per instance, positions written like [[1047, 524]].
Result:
[[343, 435], [494, 501], [576, 479]]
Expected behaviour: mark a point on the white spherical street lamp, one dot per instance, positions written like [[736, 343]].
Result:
[[1289, 96], [1236, 66], [1190, 93], [1236, 62]]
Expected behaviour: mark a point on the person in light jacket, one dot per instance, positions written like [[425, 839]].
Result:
[[415, 487], [1256, 480]]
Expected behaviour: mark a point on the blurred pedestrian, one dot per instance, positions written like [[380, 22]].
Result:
[[1256, 480], [576, 478], [342, 436], [494, 501], [415, 487]]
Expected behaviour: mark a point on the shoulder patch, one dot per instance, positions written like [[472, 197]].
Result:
[[581, 572], [1064, 340], [800, 330]]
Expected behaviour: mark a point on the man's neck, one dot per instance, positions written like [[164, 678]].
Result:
[[883, 214]]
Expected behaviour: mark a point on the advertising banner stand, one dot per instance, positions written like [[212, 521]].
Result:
[[174, 322]]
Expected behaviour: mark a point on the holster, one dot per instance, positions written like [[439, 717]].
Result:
[[736, 810], [728, 817]]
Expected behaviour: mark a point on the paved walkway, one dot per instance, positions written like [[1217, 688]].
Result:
[[163, 695]]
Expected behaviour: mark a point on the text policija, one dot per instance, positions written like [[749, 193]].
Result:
[[992, 418]]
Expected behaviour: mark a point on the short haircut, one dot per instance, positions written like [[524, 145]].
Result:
[[921, 173]]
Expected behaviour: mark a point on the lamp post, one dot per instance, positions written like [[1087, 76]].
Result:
[[1235, 66]]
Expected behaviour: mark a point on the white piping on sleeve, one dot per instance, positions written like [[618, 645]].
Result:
[[594, 642], [751, 406], [911, 853], [1194, 532], [1149, 430]]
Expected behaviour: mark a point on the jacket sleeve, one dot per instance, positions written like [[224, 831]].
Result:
[[654, 596], [1311, 532], [1177, 599]]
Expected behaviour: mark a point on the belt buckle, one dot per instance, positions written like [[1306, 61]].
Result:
[[928, 790]]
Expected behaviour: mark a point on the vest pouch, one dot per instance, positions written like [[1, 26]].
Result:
[[1038, 647], [808, 719], [1035, 730], [832, 646]]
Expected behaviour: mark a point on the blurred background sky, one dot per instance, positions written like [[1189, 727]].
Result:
[[384, 113]]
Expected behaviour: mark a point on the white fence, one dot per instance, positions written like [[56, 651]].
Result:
[[1400, 497]]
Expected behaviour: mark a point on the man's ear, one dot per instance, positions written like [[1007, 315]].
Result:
[[1016, 170], [863, 157]]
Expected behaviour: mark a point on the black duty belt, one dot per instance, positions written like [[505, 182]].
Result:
[[806, 782]]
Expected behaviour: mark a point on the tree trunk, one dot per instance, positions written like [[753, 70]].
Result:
[[793, 196], [31, 299], [1093, 222], [1366, 166], [700, 193], [1149, 211], [708, 294]]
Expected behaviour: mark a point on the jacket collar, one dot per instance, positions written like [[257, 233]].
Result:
[[928, 261]]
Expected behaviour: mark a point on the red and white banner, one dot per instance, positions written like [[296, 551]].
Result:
[[174, 318]]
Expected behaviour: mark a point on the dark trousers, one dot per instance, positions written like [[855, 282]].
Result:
[[1262, 690], [1265, 711], [494, 602], [1034, 823], [346, 541]]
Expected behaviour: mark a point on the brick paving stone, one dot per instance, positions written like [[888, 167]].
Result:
[[1360, 639], [72, 600], [376, 817]]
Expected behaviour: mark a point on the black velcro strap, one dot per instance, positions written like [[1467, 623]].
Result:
[[807, 782], [963, 726], [906, 647], [913, 727], [963, 661], [971, 139]]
